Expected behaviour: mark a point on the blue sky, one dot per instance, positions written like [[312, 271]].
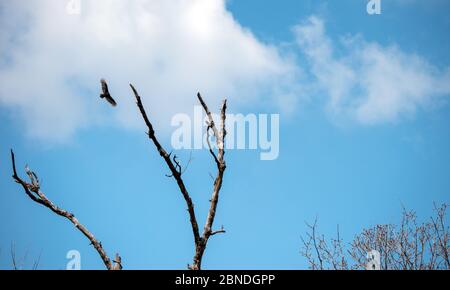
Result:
[[363, 104]]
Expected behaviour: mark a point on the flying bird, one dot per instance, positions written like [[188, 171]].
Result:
[[105, 93]]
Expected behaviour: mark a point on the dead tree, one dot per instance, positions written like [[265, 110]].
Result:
[[200, 239], [33, 191], [407, 246], [32, 188]]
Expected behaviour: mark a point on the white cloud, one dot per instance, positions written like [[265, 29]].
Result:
[[370, 83], [51, 62]]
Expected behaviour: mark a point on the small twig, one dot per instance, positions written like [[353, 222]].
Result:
[[13, 256], [313, 228], [37, 262], [187, 164], [221, 231]]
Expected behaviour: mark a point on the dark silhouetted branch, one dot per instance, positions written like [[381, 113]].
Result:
[[176, 172], [32, 189], [13, 257]]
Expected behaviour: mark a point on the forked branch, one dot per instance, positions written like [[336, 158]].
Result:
[[221, 166], [33, 190], [219, 135]]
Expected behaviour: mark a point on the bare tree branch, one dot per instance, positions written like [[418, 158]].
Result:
[[13, 257], [441, 233], [313, 244], [221, 166], [219, 136], [37, 262], [176, 172], [117, 263], [221, 231], [173, 169], [32, 189]]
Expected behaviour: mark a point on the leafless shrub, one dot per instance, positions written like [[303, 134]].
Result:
[[322, 254], [408, 246]]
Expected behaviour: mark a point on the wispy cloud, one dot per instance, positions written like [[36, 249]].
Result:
[[51, 62], [370, 83]]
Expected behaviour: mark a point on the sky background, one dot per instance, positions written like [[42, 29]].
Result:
[[364, 124]]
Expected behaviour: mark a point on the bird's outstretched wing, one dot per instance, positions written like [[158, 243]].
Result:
[[105, 93], [104, 86], [111, 101]]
